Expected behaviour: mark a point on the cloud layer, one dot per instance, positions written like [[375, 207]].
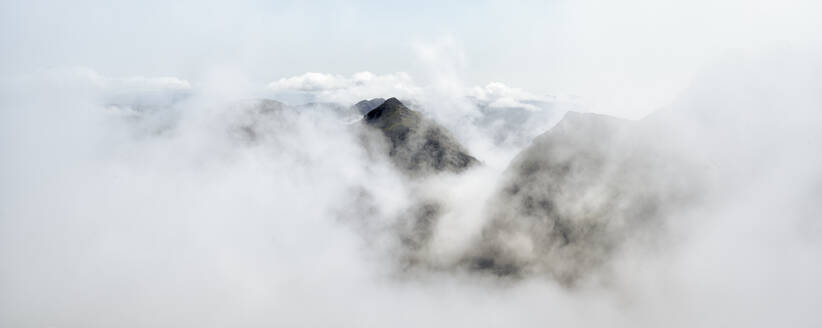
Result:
[[151, 219]]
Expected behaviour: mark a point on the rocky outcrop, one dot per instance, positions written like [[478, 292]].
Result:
[[415, 144]]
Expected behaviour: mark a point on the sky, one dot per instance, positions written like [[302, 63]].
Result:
[[626, 58]]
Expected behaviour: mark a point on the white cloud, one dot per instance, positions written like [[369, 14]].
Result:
[[496, 94], [347, 90], [246, 232], [137, 84], [310, 82], [142, 83]]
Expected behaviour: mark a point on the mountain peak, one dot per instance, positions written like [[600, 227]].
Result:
[[392, 102], [416, 143], [390, 108]]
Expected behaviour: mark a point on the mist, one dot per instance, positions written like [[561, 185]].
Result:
[[148, 191]]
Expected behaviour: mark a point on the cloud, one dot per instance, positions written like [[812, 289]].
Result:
[[499, 95], [136, 84], [131, 197], [347, 90], [198, 226], [311, 82], [498, 115]]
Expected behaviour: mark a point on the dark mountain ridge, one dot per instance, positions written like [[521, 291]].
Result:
[[415, 143]]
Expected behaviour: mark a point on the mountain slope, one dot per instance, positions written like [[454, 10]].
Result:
[[572, 198], [416, 144]]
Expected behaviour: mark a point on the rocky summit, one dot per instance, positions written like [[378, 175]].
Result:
[[416, 144]]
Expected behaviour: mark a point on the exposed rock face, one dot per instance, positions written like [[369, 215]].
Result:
[[416, 144], [575, 195]]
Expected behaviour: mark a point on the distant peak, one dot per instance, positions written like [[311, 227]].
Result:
[[366, 105], [372, 100]]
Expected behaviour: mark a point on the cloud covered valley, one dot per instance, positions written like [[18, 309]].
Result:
[[157, 201]]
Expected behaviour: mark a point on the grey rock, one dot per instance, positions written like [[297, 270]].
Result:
[[416, 144]]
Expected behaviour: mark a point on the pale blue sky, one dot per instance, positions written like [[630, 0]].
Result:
[[628, 56]]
